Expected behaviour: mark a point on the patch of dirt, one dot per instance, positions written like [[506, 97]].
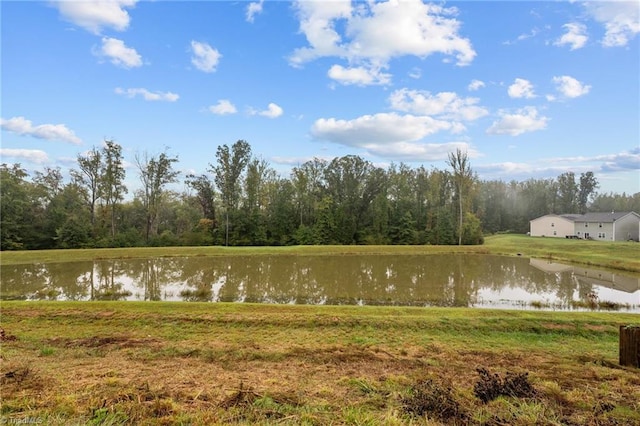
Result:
[[241, 397], [5, 337], [556, 326], [17, 376], [99, 342], [342, 354], [20, 378], [595, 327]]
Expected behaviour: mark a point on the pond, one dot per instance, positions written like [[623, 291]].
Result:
[[405, 280]]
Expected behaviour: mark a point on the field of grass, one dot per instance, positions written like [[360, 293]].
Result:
[[107, 363], [618, 255]]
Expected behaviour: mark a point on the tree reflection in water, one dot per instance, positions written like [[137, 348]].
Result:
[[440, 280]]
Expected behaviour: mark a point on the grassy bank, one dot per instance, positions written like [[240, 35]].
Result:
[[619, 255], [187, 363]]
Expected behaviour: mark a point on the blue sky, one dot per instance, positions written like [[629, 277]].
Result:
[[527, 89]]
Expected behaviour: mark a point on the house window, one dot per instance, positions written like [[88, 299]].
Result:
[[586, 225], [599, 225], [552, 224], [554, 232]]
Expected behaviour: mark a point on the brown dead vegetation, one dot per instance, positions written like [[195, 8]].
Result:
[[103, 371]]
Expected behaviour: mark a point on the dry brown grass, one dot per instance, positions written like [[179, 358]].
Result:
[[128, 363]]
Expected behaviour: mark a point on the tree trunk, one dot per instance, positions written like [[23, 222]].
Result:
[[460, 222], [630, 345]]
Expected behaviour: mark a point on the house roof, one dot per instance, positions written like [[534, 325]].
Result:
[[571, 217], [601, 217], [555, 215]]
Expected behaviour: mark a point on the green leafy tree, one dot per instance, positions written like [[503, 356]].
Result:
[[15, 207], [259, 177], [586, 190], [281, 212], [155, 173], [405, 231], [111, 184], [48, 185], [440, 227], [69, 217], [73, 233], [352, 183], [228, 171], [472, 230], [378, 232], [567, 193], [401, 193], [616, 202], [205, 194], [309, 189], [325, 228], [88, 177]]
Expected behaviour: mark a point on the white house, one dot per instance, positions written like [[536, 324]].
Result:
[[620, 226], [552, 225]]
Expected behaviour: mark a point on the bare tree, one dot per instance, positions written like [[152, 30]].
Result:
[[463, 178]]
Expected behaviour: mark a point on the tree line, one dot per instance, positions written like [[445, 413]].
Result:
[[241, 200]]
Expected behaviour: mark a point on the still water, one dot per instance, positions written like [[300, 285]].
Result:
[[434, 280]]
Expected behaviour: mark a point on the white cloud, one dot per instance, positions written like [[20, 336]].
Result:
[[223, 107], [96, 14], [253, 9], [408, 151], [389, 135], [447, 105], [118, 53], [205, 58], [296, 161], [569, 87], [30, 155], [621, 20], [534, 32], [524, 120], [382, 128], [575, 36], [475, 85], [360, 76], [414, 28], [521, 88], [317, 23], [147, 95], [272, 111], [627, 160], [522, 171], [603, 165], [374, 33], [24, 127], [415, 73]]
